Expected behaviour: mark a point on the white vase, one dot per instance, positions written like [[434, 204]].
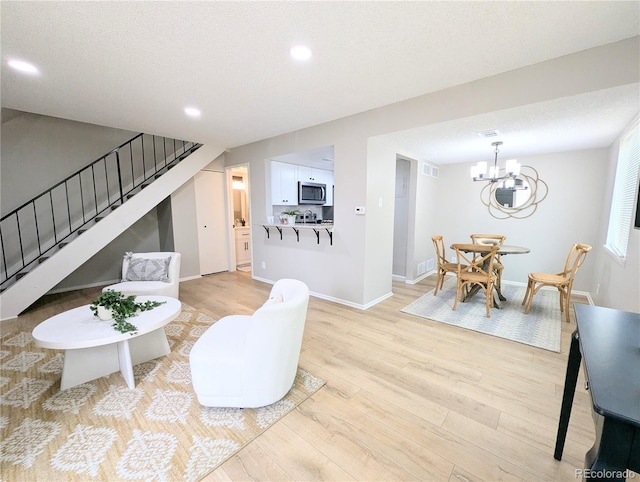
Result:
[[291, 219], [105, 313]]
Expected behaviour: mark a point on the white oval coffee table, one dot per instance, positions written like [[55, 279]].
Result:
[[94, 349]]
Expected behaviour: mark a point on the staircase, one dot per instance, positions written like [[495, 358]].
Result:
[[49, 237]]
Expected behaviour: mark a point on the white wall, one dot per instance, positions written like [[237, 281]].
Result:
[[357, 268], [619, 283], [569, 214], [424, 215], [185, 223], [381, 174], [106, 265], [335, 272], [38, 151]]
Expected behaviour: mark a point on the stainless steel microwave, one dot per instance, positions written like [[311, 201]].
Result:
[[312, 193]]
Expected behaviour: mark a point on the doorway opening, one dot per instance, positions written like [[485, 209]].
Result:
[[240, 215], [401, 220]]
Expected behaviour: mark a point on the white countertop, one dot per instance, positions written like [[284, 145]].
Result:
[[301, 225]]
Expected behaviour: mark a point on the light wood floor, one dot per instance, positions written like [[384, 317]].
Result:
[[405, 399]]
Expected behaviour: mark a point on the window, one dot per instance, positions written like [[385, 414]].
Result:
[[625, 188]]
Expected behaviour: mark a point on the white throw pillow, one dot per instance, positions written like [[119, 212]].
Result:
[[142, 269]]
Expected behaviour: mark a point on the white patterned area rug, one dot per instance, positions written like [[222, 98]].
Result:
[[102, 430], [541, 327]]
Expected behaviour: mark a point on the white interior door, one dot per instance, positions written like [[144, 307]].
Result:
[[211, 218]]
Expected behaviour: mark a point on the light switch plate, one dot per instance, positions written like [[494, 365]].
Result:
[[359, 209]]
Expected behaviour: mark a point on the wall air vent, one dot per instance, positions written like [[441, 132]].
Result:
[[489, 133], [429, 170]]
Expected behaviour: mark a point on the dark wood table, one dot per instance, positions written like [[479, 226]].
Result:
[[608, 343], [503, 251]]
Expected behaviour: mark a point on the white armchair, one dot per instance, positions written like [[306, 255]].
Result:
[[251, 361], [155, 273]]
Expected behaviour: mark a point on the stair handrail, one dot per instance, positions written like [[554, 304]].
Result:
[[70, 177], [176, 154]]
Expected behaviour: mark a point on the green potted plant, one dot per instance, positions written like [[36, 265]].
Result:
[[291, 216], [115, 305]]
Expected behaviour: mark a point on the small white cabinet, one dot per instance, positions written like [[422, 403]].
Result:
[[243, 245], [285, 178], [311, 174], [307, 174], [284, 183]]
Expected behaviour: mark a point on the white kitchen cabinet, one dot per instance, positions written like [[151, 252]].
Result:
[[284, 183], [306, 174], [311, 174], [243, 245]]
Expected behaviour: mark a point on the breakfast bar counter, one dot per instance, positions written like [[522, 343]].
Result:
[[316, 227]]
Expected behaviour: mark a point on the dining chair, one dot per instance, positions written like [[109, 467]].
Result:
[[475, 268], [444, 266], [488, 240], [563, 281]]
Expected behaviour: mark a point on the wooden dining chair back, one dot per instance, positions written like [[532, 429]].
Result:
[[443, 266], [563, 281], [491, 239], [475, 268], [488, 239]]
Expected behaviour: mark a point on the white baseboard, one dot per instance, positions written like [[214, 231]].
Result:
[[336, 300], [103, 283], [189, 278], [419, 278]]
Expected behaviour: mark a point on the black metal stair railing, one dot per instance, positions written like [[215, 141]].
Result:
[[29, 233]]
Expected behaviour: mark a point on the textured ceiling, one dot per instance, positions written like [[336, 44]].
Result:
[[136, 65]]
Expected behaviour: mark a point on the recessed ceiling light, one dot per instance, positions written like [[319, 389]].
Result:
[[192, 112], [300, 52], [23, 66]]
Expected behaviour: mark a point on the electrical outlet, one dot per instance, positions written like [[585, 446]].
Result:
[[264, 265], [454, 259]]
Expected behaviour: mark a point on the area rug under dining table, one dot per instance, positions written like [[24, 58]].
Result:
[[102, 430], [541, 327]]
